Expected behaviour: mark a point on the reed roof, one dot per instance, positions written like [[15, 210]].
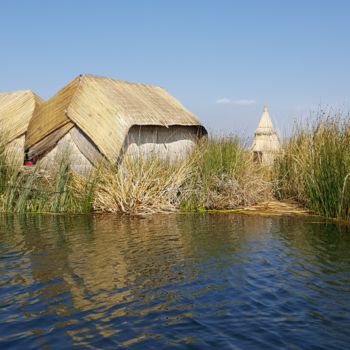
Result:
[[105, 109], [16, 110], [265, 124]]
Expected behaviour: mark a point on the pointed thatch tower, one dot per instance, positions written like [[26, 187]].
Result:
[[266, 144], [16, 110]]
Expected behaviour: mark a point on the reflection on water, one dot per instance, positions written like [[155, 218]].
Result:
[[173, 281]]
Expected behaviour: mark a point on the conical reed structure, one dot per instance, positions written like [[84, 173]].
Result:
[[266, 144]]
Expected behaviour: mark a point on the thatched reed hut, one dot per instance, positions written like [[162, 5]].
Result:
[[266, 144], [16, 110], [101, 119]]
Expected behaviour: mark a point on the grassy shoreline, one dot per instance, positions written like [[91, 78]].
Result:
[[312, 169], [218, 174]]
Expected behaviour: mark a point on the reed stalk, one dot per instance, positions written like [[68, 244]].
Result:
[[314, 166], [218, 174], [225, 177]]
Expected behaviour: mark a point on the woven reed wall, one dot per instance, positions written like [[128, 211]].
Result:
[[268, 146], [66, 147], [170, 143]]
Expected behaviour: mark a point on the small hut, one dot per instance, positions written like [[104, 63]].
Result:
[[266, 144], [101, 119], [16, 110]]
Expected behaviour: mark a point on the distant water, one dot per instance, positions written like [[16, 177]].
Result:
[[173, 282]]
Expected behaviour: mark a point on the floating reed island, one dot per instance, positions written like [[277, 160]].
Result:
[[105, 145]]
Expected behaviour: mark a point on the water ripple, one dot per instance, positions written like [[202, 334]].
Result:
[[173, 281]]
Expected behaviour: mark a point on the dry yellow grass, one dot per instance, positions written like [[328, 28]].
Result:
[[219, 174], [142, 186]]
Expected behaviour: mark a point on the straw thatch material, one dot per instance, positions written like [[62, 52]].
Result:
[[66, 147], [103, 111], [266, 144], [14, 150], [16, 110], [171, 143]]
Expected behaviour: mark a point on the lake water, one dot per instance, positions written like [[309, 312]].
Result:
[[173, 282]]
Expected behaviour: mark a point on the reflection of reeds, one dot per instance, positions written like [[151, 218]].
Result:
[[218, 174], [314, 166]]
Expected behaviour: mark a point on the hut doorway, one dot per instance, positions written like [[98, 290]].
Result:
[[257, 156]]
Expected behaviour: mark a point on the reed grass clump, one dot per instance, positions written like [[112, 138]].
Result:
[[218, 174], [225, 177], [35, 189], [142, 185], [314, 166]]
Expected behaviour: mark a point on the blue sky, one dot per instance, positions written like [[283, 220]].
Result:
[[222, 59]]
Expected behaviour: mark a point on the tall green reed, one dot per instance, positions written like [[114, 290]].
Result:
[[224, 177], [42, 189], [218, 174], [314, 167]]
